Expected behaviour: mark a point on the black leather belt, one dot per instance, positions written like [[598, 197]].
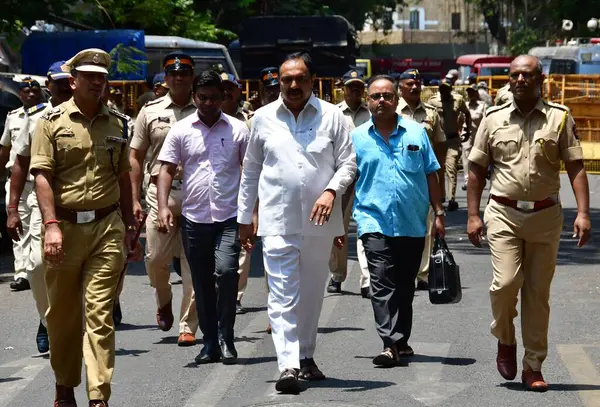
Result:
[[79, 217]]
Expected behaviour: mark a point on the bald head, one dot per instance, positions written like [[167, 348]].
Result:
[[526, 77], [528, 60]]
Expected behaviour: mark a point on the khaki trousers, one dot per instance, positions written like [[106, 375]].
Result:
[[466, 150], [160, 250], [338, 261], [28, 251], [524, 247], [85, 282], [451, 165], [423, 274]]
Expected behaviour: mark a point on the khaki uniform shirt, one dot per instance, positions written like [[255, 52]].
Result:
[[15, 121], [77, 152], [355, 118], [427, 115], [152, 125], [504, 95], [525, 151], [449, 111]]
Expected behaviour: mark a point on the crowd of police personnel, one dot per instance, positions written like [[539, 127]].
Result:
[[79, 169]]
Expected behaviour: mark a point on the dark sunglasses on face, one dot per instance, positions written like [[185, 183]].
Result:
[[387, 96]]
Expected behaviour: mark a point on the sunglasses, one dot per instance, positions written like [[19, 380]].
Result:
[[387, 96]]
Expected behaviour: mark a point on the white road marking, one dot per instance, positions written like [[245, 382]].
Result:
[[29, 368], [583, 372]]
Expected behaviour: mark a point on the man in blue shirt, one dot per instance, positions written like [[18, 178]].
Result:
[[395, 185]]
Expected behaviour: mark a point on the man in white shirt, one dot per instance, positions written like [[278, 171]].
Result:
[[299, 159]]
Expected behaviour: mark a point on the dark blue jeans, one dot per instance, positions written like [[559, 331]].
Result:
[[213, 251]]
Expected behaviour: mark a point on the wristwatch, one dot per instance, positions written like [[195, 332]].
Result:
[[440, 212]]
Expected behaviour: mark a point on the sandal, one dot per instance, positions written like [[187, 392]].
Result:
[[310, 371]]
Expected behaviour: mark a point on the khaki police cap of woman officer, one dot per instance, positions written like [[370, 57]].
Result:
[[89, 60]]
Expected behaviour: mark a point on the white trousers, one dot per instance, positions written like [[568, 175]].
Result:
[[297, 268]]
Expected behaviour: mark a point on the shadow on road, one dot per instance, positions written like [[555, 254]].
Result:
[[514, 386], [9, 379], [350, 385], [130, 327], [332, 329], [130, 352]]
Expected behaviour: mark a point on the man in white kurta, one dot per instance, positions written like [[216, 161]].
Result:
[[298, 164]]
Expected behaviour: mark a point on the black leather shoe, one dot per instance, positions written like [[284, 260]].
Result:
[[117, 313], [208, 355], [239, 308], [464, 187], [228, 354], [452, 206], [334, 287], [41, 339], [20, 284], [288, 382], [365, 292], [422, 285]]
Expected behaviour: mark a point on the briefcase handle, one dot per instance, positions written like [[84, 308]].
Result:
[[440, 243]]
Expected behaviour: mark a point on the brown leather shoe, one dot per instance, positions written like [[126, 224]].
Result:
[[98, 403], [186, 339], [506, 361], [269, 330], [534, 381], [65, 397], [164, 317]]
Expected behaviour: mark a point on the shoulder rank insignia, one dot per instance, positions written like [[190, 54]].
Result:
[[52, 113], [36, 108], [118, 114], [155, 101]]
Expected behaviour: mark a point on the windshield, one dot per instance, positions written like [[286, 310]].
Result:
[[495, 71], [563, 66]]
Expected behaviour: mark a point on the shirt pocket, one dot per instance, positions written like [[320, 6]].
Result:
[[320, 144], [14, 133], [69, 149], [409, 161], [224, 154], [159, 128], [505, 145], [546, 149]]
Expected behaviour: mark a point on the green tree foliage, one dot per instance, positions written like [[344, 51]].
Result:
[[126, 59], [535, 22]]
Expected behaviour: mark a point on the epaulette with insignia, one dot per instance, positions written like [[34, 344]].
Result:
[[557, 105], [54, 112], [36, 108], [493, 109], [17, 110], [428, 106], [118, 114], [155, 101]]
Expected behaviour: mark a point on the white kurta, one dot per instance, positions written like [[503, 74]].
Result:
[[288, 165]]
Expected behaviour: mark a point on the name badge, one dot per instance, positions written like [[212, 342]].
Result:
[[86, 217]]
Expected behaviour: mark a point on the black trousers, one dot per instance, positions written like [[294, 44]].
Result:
[[213, 250], [393, 265]]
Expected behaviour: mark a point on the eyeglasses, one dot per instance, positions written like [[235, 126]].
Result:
[[387, 96]]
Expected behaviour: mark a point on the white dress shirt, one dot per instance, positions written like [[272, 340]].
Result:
[[288, 165]]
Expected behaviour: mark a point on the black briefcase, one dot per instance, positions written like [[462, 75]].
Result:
[[444, 275]]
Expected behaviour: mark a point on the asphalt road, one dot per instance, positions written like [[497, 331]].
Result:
[[454, 365]]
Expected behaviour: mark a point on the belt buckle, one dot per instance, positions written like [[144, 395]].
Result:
[[526, 205], [86, 216]]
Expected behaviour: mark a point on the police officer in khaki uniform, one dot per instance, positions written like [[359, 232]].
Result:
[[232, 97], [27, 225], [31, 96], [450, 105], [411, 107], [151, 127], [357, 113], [524, 141], [81, 168], [503, 95], [477, 108]]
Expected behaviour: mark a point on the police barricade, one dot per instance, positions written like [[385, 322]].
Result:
[[131, 91]]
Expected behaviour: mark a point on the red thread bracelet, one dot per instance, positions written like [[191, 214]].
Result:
[[13, 206], [51, 221]]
